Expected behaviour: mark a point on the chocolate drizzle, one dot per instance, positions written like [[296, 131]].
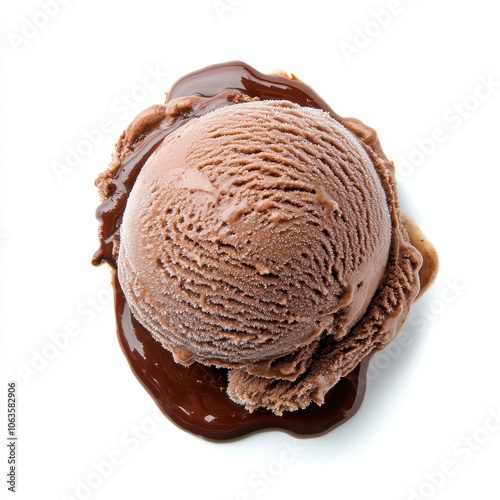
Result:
[[195, 397]]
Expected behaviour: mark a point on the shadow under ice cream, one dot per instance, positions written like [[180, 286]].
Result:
[[201, 326]]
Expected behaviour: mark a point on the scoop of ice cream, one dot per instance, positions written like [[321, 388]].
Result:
[[251, 233], [260, 236]]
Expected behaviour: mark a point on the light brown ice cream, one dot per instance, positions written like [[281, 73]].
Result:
[[265, 237]]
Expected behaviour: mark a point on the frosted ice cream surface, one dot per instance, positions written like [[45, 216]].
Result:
[[254, 226], [263, 236]]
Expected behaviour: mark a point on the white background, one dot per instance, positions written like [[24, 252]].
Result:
[[431, 404]]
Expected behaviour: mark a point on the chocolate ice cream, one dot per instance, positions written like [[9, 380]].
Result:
[[255, 231]]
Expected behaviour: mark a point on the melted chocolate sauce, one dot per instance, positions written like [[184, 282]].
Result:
[[195, 397]]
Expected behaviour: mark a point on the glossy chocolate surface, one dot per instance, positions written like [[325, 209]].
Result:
[[195, 397]]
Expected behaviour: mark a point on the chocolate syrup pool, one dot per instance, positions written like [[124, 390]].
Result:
[[195, 397]]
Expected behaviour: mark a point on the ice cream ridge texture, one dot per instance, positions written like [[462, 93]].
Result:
[[254, 230]]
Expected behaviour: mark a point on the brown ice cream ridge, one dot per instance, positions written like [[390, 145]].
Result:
[[258, 251]]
